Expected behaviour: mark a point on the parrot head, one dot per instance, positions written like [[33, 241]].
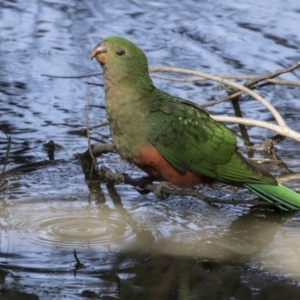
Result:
[[120, 57]]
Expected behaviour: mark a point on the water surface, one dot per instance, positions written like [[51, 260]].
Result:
[[47, 213]]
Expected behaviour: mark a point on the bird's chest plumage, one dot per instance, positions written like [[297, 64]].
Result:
[[127, 122]]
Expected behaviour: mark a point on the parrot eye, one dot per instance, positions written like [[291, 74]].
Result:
[[120, 52]]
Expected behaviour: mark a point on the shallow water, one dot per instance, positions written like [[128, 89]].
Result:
[[47, 213]]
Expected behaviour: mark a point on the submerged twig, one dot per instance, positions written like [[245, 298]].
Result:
[[78, 265], [28, 167], [6, 154]]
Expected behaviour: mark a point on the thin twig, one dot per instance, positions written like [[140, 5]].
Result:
[[231, 96], [100, 149], [288, 177], [87, 125], [192, 79], [282, 130], [98, 125], [237, 94], [273, 74], [283, 82], [195, 79], [227, 76], [6, 154], [71, 77]]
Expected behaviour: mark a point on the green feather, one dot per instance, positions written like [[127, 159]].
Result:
[[288, 199], [190, 140]]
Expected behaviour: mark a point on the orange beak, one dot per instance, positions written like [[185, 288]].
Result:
[[99, 52]]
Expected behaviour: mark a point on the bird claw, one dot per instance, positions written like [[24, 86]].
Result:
[[159, 194], [142, 183]]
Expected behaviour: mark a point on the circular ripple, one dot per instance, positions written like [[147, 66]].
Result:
[[69, 225]]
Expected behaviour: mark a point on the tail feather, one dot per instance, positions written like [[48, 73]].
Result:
[[288, 199]]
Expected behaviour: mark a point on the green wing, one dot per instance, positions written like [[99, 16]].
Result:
[[190, 140]]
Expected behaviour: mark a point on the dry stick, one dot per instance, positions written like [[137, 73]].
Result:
[[283, 82], [98, 125], [273, 74], [270, 107], [237, 94], [192, 79], [100, 149], [282, 130], [288, 177], [195, 79], [7, 153], [231, 96], [71, 77], [212, 103], [87, 125], [253, 79]]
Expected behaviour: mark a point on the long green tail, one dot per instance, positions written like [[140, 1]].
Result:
[[276, 193]]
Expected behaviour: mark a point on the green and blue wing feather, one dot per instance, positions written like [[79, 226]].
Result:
[[190, 140]]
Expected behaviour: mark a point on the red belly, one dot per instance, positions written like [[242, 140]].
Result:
[[157, 167]]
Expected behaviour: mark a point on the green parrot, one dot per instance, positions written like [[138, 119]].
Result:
[[170, 138]]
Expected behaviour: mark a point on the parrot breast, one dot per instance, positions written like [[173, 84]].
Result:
[[157, 167]]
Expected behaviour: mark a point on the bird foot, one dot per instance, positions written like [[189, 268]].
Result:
[[158, 190], [142, 183]]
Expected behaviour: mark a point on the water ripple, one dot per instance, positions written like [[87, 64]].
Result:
[[64, 225]]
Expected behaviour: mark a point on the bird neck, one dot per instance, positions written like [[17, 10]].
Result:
[[127, 107]]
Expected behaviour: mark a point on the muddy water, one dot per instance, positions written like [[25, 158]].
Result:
[[47, 213]]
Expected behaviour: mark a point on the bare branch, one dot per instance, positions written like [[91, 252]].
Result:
[[282, 130], [288, 177], [192, 79], [270, 107], [237, 77], [195, 79], [273, 74], [100, 149], [72, 77], [98, 125], [231, 96], [6, 154], [283, 82], [252, 78]]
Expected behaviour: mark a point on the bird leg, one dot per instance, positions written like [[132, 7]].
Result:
[[141, 183], [158, 190]]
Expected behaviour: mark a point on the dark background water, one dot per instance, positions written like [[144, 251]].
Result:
[[47, 213]]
